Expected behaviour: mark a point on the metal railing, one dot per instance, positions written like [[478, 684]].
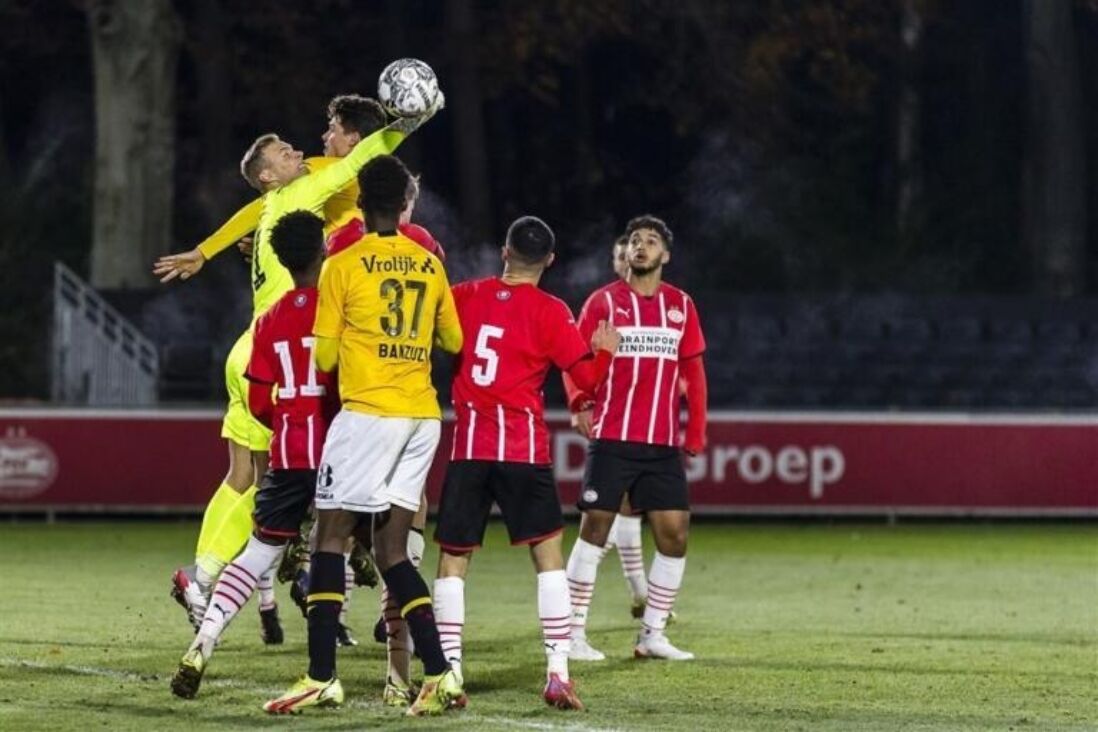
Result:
[[98, 357]]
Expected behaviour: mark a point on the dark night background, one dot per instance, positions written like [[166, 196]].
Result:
[[841, 199]]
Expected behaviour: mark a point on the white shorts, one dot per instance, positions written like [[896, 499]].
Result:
[[371, 463]]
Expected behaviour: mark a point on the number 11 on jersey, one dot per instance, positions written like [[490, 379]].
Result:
[[289, 388]]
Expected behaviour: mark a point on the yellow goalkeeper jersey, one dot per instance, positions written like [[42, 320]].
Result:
[[339, 210], [270, 280], [342, 207], [385, 298]]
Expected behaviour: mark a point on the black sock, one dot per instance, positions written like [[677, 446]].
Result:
[[414, 601], [326, 585]]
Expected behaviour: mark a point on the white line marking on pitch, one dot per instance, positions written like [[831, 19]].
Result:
[[110, 673]]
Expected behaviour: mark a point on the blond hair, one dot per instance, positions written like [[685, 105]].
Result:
[[252, 164]]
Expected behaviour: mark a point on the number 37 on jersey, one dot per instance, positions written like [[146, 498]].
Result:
[[385, 303]]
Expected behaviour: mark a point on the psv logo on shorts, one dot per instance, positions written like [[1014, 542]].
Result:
[[590, 495]]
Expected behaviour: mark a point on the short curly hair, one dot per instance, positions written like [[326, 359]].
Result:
[[648, 221], [298, 240], [384, 185], [357, 113], [530, 239]]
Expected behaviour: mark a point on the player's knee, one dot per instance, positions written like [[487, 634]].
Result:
[[452, 564], [389, 554], [331, 538], [332, 545], [672, 542], [362, 536], [595, 528], [547, 561], [240, 477], [269, 539]]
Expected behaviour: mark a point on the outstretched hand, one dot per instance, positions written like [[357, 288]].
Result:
[[408, 125], [183, 265], [245, 247]]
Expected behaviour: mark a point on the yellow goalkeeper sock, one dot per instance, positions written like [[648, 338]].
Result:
[[231, 535], [221, 505]]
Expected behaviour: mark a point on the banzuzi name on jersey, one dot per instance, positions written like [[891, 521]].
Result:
[[402, 352], [401, 264], [649, 342]]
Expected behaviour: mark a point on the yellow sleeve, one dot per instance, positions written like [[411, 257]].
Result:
[[326, 353], [330, 302], [448, 335], [314, 189], [240, 224]]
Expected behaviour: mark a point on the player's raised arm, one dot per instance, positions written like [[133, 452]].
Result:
[[316, 188], [239, 225], [185, 265]]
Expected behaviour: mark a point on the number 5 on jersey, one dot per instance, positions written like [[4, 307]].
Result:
[[485, 374]]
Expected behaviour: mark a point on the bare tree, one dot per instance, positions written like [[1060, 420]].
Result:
[[908, 162], [135, 47], [465, 103], [1054, 172], [208, 46]]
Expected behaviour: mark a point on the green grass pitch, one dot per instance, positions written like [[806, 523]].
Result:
[[796, 626]]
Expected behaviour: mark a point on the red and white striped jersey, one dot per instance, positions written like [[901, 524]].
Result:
[[355, 229], [513, 334], [306, 400], [639, 401]]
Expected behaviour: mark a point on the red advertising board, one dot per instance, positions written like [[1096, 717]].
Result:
[[756, 463]]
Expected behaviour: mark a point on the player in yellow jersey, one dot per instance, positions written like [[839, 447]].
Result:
[[277, 170], [351, 118], [383, 303]]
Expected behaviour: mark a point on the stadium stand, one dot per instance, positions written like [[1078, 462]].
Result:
[[846, 352], [893, 352]]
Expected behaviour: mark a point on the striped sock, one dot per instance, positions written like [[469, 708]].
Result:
[[663, 587], [554, 606], [237, 583], [450, 617], [583, 568], [632, 555], [414, 598], [398, 645]]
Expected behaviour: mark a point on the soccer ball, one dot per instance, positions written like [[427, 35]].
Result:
[[408, 88]]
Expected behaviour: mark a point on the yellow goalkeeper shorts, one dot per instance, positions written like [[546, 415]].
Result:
[[239, 425]]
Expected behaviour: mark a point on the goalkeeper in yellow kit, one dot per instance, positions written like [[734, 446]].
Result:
[[324, 186]]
